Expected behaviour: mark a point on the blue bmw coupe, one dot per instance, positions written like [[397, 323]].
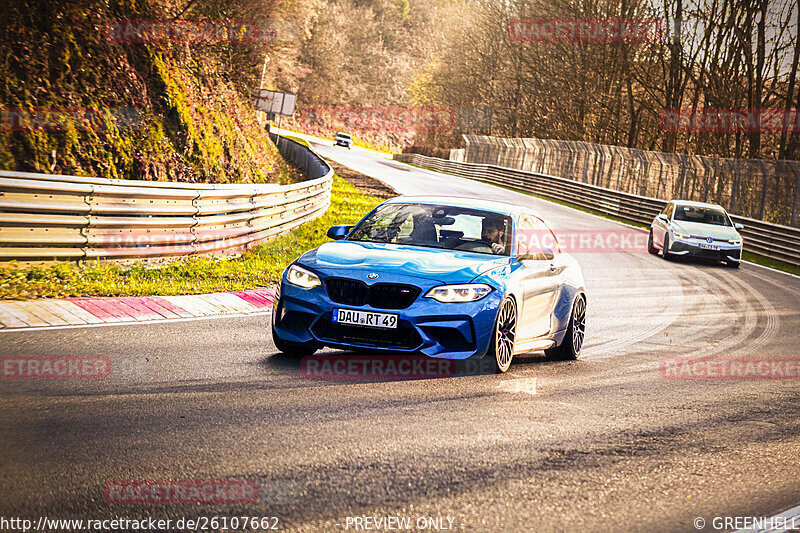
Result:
[[451, 278]]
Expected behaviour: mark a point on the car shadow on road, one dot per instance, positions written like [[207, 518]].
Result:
[[701, 261], [364, 366]]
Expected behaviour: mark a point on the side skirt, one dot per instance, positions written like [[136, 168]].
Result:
[[534, 345]]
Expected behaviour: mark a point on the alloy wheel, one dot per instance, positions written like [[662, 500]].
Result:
[[578, 325], [505, 334]]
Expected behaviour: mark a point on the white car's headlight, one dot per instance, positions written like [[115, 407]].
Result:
[[469, 292], [302, 278], [679, 235], [735, 241]]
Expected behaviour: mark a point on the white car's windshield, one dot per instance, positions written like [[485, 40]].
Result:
[[703, 215], [437, 226]]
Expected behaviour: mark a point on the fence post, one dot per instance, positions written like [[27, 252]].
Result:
[[765, 171], [585, 151], [734, 186], [682, 161], [600, 164], [708, 174], [796, 192]]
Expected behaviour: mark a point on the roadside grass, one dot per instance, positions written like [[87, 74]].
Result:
[[772, 263], [257, 267], [747, 256]]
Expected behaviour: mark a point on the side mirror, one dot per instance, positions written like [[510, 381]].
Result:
[[738, 226], [337, 233], [662, 217]]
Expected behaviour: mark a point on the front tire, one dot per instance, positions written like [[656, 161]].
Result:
[[666, 254], [293, 349], [501, 351], [650, 248], [570, 347]]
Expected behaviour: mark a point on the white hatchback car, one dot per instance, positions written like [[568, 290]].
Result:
[[696, 229], [343, 139]]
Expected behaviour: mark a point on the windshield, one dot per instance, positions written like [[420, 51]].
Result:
[[437, 226], [703, 215]]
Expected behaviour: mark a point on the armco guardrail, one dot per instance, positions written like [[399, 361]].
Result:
[[763, 238], [57, 217]]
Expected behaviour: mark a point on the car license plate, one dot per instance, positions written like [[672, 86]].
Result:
[[709, 247], [365, 318]]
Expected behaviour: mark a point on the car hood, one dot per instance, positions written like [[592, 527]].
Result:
[[705, 230], [446, 266]]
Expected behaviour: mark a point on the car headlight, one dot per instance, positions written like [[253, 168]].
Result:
[[469, 292], [680, 235], [302, 278], [735, 241]]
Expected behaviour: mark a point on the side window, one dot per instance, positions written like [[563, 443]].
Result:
[[535, 239], [524, 235], [668, 210], [547, 240]]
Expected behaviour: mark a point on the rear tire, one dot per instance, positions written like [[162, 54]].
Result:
[[733, 264], [293, 349], [650, 248], [570, 347], [501, 351]]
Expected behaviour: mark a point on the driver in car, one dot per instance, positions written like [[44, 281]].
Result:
[[493, 233]]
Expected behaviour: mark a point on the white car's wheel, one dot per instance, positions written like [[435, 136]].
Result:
[[665, 253], [650, 246]]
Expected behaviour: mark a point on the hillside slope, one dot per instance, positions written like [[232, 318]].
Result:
[[76, 99]]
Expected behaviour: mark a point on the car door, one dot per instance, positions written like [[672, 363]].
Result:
[[660, 226], [538, 252]]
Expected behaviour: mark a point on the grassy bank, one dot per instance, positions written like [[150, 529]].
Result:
[[81, 102], [255, 268]]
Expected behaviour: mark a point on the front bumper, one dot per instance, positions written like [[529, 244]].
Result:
[[691, 248], [435, 329]]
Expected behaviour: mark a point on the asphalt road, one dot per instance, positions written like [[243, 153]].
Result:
[[601, 444]]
